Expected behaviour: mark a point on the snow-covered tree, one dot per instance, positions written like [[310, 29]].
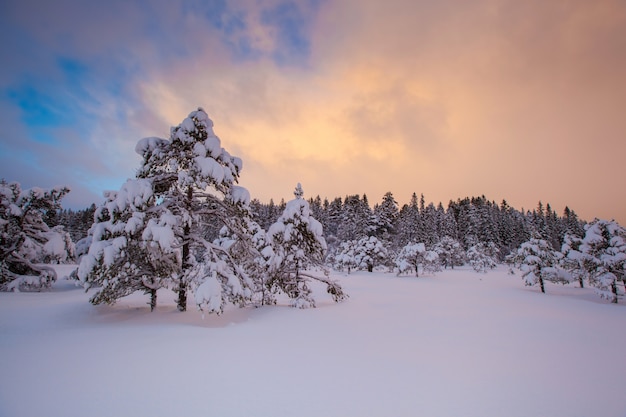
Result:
[[538, 263], [344, 258], [450, 252], [385, 217], [409, 222], [25, 239], [369, 253], [573, 259], [184, 184], [356, 219], [604, 257], [194, 179], [132, 248], [413, 256], [482, 256], [297, 246]]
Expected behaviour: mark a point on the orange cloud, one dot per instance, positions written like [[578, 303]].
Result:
[[515, 100]]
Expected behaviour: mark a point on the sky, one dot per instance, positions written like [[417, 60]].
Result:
[[515, 100]]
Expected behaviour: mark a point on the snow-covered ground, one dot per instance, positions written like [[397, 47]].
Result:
[[454, 344]]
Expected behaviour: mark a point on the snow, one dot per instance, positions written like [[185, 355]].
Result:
[[210, 168], [149, 144], [208, 295], [240, 195], [454, 344]]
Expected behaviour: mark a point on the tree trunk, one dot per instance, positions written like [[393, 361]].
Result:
[[543, 289], [153, 299], [580, 281], [614, 290], [182, 286]]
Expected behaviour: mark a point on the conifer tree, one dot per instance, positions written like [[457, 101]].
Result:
[[26, 240], [538, 262], [298, 245], [414, 256], [185, 183], [450, 252], [573, 259], [132, 248], [604, 257]]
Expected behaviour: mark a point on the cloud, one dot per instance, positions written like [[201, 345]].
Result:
[[515, 100]]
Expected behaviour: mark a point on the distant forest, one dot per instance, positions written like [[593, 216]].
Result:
[[469, 220]]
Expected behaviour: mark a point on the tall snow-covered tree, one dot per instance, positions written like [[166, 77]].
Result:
[[25, 239], [298, 245], [385, 217], [356, 219], [538, 262], [194, 179], [604, 257], [409, 222], [191, 182]]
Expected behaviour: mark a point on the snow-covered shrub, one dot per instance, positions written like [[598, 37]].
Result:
[[26, 240]]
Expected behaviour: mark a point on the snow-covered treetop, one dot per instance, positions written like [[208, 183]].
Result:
[[298, 191], [16, 202], [193, 156]]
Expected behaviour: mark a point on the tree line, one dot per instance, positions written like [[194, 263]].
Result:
[[183, 223]]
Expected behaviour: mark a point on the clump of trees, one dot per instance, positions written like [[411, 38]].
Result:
[[183, 223], [598, 257], [26, 241]]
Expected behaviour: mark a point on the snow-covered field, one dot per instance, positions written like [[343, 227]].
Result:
[[454, 344]]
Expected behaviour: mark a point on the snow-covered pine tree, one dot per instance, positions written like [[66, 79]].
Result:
[[482, 256], [413, 256], [573, 259], [297, 244], [409, 222], [356, 219], [538, 262], [194, 179], [450, 252], [250, 249], [604, 257], [385, 217], [132, 248], [344, 258], [369, 252], [26, 239]]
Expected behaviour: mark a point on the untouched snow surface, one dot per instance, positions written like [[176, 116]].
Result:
[[454, 344]]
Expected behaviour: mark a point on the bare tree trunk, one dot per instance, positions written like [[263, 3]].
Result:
[[543, 289]]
